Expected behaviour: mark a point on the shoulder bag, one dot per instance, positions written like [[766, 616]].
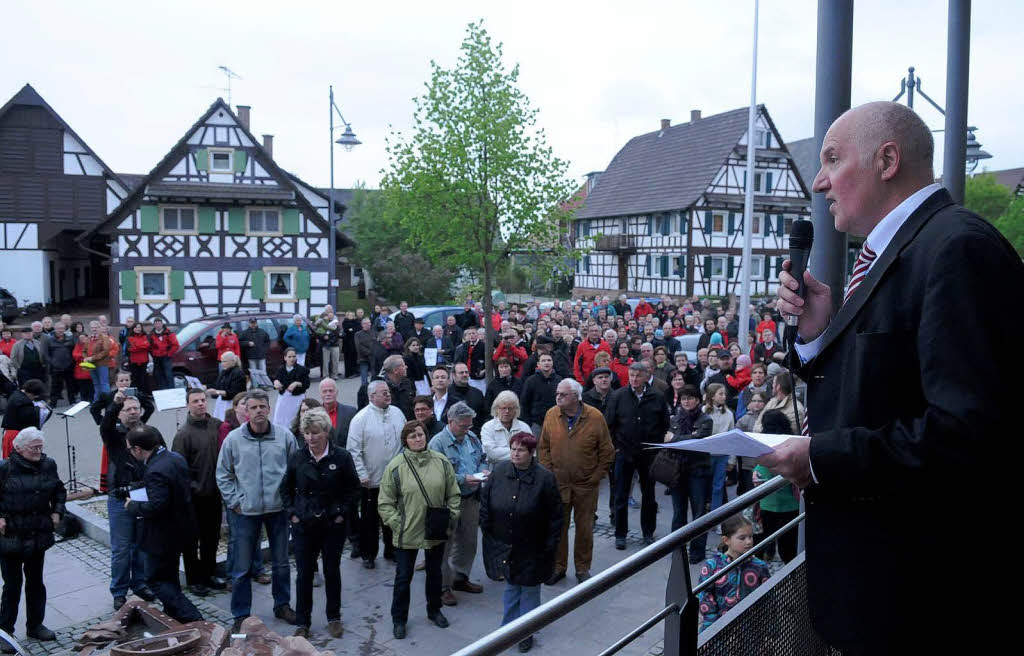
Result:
[[437, 519]]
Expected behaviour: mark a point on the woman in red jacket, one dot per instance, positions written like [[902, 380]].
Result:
[[139, 347], [620, 363], [83, 377]]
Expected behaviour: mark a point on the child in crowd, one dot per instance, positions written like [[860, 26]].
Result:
[[728, 590]]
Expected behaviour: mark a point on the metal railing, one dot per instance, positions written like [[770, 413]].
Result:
[[680, 611]]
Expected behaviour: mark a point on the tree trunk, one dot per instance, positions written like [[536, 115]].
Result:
[[488, 326]]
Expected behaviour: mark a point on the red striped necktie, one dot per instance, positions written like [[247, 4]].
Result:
[[860, 269]]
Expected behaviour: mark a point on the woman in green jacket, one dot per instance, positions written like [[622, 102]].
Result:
[[403, 508]]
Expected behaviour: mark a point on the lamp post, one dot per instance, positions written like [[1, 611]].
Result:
[[348, 141]]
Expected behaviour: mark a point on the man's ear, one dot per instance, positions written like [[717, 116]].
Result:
[[890, 159]]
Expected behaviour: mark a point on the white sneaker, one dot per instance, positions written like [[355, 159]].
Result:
[[318, 579]]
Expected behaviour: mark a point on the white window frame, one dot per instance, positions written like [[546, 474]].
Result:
[[269, 295], [230, 152], [725, 224], [263, 233], [725, 267], [177, 231], [757, 263], [140, 273]]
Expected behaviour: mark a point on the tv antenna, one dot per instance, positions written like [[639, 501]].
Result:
[[231, 75]]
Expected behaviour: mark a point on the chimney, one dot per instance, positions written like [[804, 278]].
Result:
[[268, 144], [243, 115], [665, 123], [694, 115]]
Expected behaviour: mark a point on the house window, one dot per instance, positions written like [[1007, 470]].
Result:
[[220, 161], [264, 222], [718, 267], [757, 267], [280, 284], [153, 284], [787, 225], [679, 266], [718, 226], [586, 264], [664, 224], [178, 220]]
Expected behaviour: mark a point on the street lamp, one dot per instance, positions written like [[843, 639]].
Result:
[[974, 152], [348, 141]]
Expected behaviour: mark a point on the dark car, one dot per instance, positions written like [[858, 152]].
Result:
[[197, 355], [8, 306]]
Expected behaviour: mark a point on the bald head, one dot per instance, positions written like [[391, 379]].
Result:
[[877, 123]]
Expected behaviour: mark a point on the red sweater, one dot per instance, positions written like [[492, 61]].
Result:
[[621, 370], [227, 343], [6, 345], [138, 349], [516, 356], [165, 344]]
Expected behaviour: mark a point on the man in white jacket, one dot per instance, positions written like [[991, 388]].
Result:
[[373, 440]]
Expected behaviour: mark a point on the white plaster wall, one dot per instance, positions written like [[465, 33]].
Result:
[[25, 273]]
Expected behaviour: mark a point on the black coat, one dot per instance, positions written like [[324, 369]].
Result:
[[60, 354], [29, 493], [344, 416], [322, 491], [298, 374], [477, 369], [538, 396], [402, 394], [445, 353], [231, 381], [499, 385], [404, 324], [474, 398], [20, 413], [633, 421], [905, 427], [416, 367], [523, 510], [168, 517], [260, 340], [562, 366]]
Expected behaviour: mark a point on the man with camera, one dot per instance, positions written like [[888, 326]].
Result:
[[104, 404], [124, 473], [168, 519]]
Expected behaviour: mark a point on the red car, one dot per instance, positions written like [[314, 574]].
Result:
[[197, 355]]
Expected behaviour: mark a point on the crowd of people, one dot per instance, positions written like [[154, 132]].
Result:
[[432, 457]]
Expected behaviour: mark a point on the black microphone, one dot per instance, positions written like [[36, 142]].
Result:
[[800, 239]]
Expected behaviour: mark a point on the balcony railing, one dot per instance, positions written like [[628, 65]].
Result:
[[785, 590], [615, 243]]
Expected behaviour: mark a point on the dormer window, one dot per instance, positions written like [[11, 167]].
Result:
[[220, 161]]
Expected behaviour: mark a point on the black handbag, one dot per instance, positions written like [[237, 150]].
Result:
[[437, 519], [667, 467]]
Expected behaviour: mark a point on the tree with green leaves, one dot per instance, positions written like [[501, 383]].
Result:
[[1011, 224], [475, 180], [984, 195]]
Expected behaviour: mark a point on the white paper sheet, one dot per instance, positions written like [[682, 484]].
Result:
[[430, 356], [170, 399], [731, 443], [75, 409], [194, 382], [138, 495]]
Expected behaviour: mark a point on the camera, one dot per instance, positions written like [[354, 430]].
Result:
[[123, 491], [130, 391]]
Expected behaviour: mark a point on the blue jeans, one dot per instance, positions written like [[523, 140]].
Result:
[[518, 600], [692, 488], [126, 560], [163, 373], [256, 568], [364, 372], [248, 534], [718, 467], [100, 382]]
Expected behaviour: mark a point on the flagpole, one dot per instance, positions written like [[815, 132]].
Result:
[[748, 203]]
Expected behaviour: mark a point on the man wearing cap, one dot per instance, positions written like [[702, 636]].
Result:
[[421, 333], [597, 395], [726, 368], [255, 344]]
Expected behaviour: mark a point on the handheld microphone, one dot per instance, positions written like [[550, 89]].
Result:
[[800, 239]]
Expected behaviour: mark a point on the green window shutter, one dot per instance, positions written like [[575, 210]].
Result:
[[768, 185], [664, 266], [707, 267], [778, 265], [732, 222], [707, 222], [177, 285], [257, 285], [290, 221], [730, 268], [740, 223], [647, 264], [149, 218], [767, 138], [767, 220], [744, 181], [585, 227], [302, 284], [129, 287], [780, 225], [202, 159], [241, 158], [666, 224], [236, 221], [650, 226], [586, 264], [207, 221]]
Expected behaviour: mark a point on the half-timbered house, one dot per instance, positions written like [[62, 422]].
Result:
[[666, 216], [53, 188], [218, 227]]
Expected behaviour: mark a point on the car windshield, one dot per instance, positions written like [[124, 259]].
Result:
[[190, 330]]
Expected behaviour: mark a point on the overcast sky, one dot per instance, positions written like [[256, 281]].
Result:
[[131, 77]]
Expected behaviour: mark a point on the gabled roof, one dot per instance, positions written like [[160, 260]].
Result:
[[668, 169], [806, 154], [1012, 179], [30, 97], [174, 154]]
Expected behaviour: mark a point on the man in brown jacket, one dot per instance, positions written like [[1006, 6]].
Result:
[[575, 444], [196, 441]]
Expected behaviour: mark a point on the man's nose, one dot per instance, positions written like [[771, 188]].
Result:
[[820, 183]]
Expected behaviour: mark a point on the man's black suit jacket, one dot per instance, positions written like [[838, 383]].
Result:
[[907, 419], [168, 517]]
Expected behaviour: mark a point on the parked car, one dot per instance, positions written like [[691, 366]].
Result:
[[688, 345], [197, 355], [8, 306], [434, 315]]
